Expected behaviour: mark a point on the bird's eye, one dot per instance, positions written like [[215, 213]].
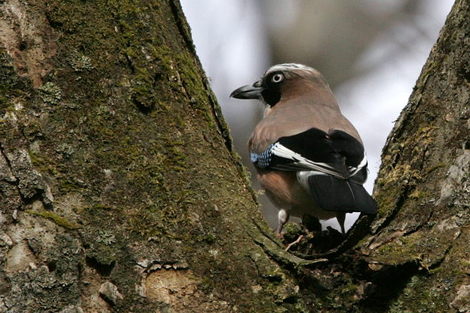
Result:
[[277, 78]]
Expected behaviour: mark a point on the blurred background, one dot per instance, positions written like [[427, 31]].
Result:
[[371, 52]]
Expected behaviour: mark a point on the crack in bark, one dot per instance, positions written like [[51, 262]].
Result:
[[258, 272], [388, 284], [277, 253], [7, 160], [16, 181], [387, 290], [398, 205], [40, 192], [439, 261], [399, 234], [419, 226], [355, 234], [182, 25]]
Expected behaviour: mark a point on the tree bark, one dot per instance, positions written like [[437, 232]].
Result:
[[415, 256], [420, 240], [119, 188], [120, 191]]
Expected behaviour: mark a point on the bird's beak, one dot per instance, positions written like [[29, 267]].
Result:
[[248, 91]]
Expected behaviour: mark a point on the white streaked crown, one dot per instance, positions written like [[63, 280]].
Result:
[[289, 67]]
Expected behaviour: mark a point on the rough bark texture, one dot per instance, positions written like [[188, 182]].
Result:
[[421, 237], [120, 192], [416, 256]]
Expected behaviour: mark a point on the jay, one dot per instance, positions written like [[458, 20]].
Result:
[[309, 158]]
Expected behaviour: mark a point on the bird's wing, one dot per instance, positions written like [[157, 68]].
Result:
[[331, 166], [335, 153]]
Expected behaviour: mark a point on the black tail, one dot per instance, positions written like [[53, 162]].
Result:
[[334, 194]]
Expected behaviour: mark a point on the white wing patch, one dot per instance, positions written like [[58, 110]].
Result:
[[314, 168], [355, 170], [298, 160]]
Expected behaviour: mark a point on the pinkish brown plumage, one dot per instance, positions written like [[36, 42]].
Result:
[[305, 151]]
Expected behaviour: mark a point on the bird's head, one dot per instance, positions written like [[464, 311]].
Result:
[[281, 81]]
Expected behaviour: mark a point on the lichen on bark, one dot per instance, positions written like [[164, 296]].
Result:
[[117, 172], [119, 183], [415, 258]]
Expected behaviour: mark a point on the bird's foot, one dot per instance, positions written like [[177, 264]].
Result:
[[294, 237], [299, 239]]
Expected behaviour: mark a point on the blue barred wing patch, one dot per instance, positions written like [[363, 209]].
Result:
[[335, 153], [262, 160]]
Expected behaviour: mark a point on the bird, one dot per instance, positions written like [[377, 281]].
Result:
[[309, 158]]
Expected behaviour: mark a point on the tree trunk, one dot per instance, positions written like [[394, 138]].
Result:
[[419, 248], [415, 257], [120, 191]]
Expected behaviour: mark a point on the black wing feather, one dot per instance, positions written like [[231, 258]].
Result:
[[340, 151], [347, 145], [312, 144], [336, 148], [344, 195]]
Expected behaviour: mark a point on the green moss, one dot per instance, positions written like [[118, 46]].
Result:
[[190, 80], [5, 105], [208, 238], [419, 297], [151, 173], [57, 219], [104, 250], [387, 199], [68, 185], [11, 85], [101, 206], [418, 194], [143, 91], [43, 165], [434, 167], [426, 247], [37, 160], [176, 156]]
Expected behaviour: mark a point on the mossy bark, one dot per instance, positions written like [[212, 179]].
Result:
[[120, 192], [415, 256], [422, 231], [119, 189]]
